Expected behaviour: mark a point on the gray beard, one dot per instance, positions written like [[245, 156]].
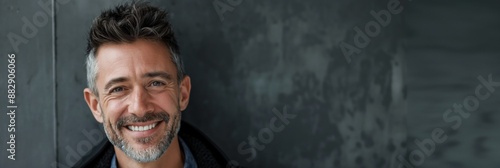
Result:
[[152, 153]]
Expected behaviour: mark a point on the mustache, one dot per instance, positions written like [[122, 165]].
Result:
[[126, 120]]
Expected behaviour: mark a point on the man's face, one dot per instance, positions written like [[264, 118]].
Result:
[[140, 99]]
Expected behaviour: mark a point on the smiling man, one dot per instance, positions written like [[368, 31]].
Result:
[[137, 89]]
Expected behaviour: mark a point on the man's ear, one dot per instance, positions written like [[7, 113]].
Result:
[[93, 103], [185, 90]]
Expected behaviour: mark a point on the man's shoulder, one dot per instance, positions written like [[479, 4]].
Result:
[[205, 152], [99, 156]]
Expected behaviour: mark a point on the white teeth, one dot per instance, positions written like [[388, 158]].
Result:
[[141, 128]]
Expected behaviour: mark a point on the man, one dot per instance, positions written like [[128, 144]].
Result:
[[137, 89]]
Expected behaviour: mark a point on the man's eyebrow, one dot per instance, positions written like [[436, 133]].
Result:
[[114, 81], [163, 75]]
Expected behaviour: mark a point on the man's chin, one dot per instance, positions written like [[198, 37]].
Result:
[[144, 144], [142, 151]]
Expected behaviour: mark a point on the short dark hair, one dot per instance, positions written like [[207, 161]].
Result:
[[127, 23]]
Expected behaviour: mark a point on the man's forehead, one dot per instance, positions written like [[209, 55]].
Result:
[[139, 49], [145, 75], [129, 75], [133, 60], [133, 54]]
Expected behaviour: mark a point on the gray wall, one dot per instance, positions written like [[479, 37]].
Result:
[[34, 120], [451, 44], [260, 58]]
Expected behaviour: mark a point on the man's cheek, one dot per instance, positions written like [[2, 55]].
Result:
[[114, 126], [110, 127]]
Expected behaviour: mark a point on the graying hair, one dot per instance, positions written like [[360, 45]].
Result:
[[128, 23], [92, 72]]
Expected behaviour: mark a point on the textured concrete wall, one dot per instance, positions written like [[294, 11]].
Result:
[[252, 63], [26, 32], [450, 45], [267, 55]]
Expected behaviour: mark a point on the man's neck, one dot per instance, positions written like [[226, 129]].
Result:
[[171, 158]]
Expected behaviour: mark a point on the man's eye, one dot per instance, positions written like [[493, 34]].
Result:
[[157, 83], [117, 89]]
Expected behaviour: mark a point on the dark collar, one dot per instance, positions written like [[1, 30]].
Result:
[[205, 152]]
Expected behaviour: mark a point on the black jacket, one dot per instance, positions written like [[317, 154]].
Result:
[[206, 153]]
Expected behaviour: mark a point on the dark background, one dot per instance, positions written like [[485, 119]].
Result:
[[259, 57]]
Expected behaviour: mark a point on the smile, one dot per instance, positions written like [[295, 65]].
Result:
[[142, 128]]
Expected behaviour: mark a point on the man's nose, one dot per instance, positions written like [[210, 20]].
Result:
[[139, 102]]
